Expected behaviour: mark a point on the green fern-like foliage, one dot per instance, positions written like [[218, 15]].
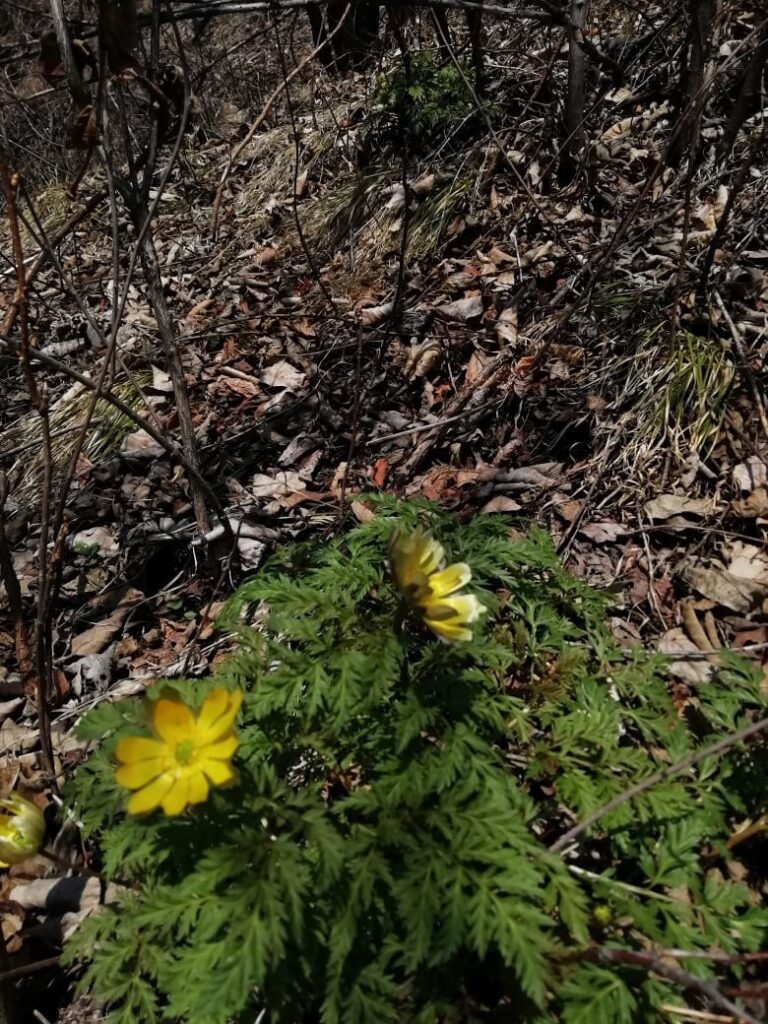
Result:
[[383, 856]]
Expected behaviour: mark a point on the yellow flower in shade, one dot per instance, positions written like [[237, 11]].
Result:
[[187, 754], [22, 827], [432, 590]]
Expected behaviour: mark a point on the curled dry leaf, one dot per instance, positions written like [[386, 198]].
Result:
[[477, 363], [501, 503], [506, 326], [689, 670], [468, 308], [421, 358], [373, 315], [545, 475], [361, 512]]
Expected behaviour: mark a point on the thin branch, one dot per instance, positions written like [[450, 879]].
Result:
[[754, 729], [653, 963]]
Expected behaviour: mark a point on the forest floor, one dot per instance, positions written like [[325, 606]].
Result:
[[451, 323]]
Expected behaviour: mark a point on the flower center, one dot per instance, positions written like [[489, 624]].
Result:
[[184, 752]]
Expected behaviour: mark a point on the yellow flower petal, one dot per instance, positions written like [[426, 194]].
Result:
[[413, 556], [173, 721], [449, 580], [139, 748], [223, 750], [463, 608], [450, 617], [219, 772], [198, 788], [429, 553], [449, 632], [149, 799], [138, 774], [177, 797], [217, 714]]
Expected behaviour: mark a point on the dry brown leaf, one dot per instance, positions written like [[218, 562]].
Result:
[[506, 325], [245, 387], [477, 363], [603, 533], [750, 474], [742, 586], [373, 315], [15, 737], [748, 561], [278, 486], [753, 506], [380, 471], [525, 366], [668, 505], [283, 375], [497, 256], [422, 358], [161, 381], [424, 184], [468, 308], [689, 670], [99, 637], [266, 256], [501, 503], [361, 512], [141, 445]]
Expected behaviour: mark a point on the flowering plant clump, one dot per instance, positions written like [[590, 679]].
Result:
[[383, 853], [186, 754], [432, 590], [22, 827]]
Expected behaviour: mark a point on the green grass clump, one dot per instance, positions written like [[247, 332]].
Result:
[[425, 100], [384, 855]]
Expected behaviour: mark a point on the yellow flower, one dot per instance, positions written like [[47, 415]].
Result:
[[22, 827], [433, 591], [187, 754]]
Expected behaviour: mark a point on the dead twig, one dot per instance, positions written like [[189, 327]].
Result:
[[746, 369], [476, 394], [652, 962], [38, 681], [669, 772], [287, 79]]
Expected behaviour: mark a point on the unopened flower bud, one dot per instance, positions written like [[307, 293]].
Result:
[[22, 827]]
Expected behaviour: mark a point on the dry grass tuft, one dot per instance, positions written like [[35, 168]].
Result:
[[107, 429]]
